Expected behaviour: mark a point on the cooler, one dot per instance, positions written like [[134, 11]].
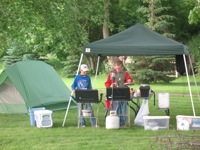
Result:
[[31, 113], [43, 118]]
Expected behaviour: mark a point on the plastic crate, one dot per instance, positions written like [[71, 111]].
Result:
[[31, 114], [156, 122], [188, 122], [43, 118]]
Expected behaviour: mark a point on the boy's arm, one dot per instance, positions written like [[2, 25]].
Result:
[[74, 84], [128, 78], [108, 81], [90, 84]]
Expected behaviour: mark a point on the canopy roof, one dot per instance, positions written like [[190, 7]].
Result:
[[136, 40]]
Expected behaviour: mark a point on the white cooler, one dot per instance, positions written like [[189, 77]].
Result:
[[43, 118]]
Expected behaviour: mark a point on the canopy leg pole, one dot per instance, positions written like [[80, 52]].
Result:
[[96, 71], [191, 98], [70, 99], [197, 90]]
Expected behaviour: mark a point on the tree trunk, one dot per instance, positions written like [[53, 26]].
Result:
[[92, 63], [111, 59], [152, 15]]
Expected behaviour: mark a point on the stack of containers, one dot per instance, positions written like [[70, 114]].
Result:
[[31, 114]]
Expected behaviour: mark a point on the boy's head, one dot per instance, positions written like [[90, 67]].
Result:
[[119, 66], [84, 68]]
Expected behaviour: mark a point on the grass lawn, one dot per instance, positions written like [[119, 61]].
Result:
[[16, 132]]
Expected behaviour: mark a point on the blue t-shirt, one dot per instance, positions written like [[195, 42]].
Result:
[[82, 82]]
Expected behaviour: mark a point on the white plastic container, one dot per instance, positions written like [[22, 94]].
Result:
[[163, 100], [156, 122], [43, 118], [87, 113], [112, 122], [188, 122], [31, 113]]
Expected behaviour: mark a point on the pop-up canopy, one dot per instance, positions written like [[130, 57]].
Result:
[[138, 40]]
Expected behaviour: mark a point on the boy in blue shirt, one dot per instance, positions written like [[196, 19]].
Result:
[[83, 81]]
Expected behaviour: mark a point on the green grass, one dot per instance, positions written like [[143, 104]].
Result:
[[16, 132]]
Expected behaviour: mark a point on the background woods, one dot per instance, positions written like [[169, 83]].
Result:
[[56, 31]]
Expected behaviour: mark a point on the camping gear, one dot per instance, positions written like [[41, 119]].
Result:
[[163, 102], [31, 114], [32, 84], [43, 118], [188, 122], [87, 113], [118, 94], [144, 90], [87, 96], [129, 43], [108, 104], [112, 121], [156, 122], [143, 111]]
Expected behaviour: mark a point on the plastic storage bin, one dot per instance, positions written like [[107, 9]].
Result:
[[156, 122], [163, 100], [188, 122], [31, 114], [43, 118]]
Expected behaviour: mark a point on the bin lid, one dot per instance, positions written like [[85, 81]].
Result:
[[156, 117], [42, 112]]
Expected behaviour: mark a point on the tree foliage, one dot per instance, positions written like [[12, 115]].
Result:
[[194, 46], [157, 16], [194, 16], [152, 69], [40, 28], [47, 27]]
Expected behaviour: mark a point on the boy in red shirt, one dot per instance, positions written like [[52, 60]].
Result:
[[118, 77]]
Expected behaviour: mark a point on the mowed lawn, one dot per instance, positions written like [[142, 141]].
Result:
[[16, 132]]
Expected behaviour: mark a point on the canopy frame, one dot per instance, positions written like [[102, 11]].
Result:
[[139, 40]]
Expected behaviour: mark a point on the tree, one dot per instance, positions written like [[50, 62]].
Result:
[[182, 29], [47, 27], [119, 15], [157, 17], [153, 69], [194, 15], [195, 48]]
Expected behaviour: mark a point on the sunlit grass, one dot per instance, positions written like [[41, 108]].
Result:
[[16, 132]]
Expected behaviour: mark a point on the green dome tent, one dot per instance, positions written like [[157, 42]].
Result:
[[32, 84]]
